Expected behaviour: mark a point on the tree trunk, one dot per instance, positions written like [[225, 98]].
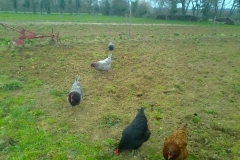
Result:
[[48, 10], [15, 5], [198, 8], [223, 3], [232, 9], [183, 7], [194, 10], [187, 6]]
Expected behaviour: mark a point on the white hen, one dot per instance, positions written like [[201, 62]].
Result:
[[103, 65]]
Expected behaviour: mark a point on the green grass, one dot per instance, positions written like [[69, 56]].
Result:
[[9, 84], [110, 89], [5, 42], [56, 17], [34, 83], [110, 120], [196, 119], [56, 92], [157, 115], [211, 111], [19, 122], [236, 86]]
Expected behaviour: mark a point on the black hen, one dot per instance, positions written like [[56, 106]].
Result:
[[134, 135], [110, 46]]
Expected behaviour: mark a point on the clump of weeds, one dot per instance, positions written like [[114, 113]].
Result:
[[110, 120]]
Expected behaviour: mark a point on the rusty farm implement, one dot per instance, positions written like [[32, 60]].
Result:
[[26, 34]]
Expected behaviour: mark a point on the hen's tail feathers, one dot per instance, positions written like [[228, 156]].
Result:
[[77, 78], [141, 111]]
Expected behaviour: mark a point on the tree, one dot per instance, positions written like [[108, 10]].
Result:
[[34, 5], [120, 7], [89, 6], [26, 4], [238, 5], [223, 4], [42, 3], [105, 7], [15, 5], [96, 6], [173, 6], [142, 9], [48, 6], [215, 6], [134, 6], [195, 7], [77, 5], [235, 4], [185, 5], [206, 6], [62, 5], [160, 5], [70, 6]]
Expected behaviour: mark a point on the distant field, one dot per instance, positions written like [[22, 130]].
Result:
[[93, 18], [179, 73]]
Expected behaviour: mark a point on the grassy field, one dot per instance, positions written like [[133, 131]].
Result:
[[94, 18], [179, 73]]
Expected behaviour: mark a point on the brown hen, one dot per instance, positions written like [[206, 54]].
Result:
[[174, 147]]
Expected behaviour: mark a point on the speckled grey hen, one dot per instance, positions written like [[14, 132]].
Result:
[[103, 65], [75, 95]]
